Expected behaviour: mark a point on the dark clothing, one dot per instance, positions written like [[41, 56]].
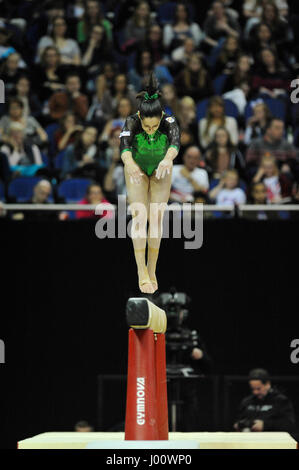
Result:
[[193, 89], [275, 410]]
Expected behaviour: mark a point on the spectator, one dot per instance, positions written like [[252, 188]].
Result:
[[94, 195], [69, 50], [222, 155], [114, 182], [11, 71], [219, 25], [105, 80], [214, 119], [254, 8], [273, 143], [174, 34], [33, 130], [124, 110], [137, 26], [181, 55], [227, 191], [270, 16], [154, 42], [81, 159], [95, 50], [31, 103], [49, 75], [240, 74], [270, 78], [24, 158], [188, 180], [261, 38], [69, 100], [228, 56], [194, 80], [67, 131], [144, 65], [41, 193], [186, 116], [112, 97], [171, 102], [92, 16], [278, 185], [266, 409], [257, 123]]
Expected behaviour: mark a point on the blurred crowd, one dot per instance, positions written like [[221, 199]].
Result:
[[226, 68]]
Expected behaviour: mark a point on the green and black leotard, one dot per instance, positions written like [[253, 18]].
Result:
[[149, 150]]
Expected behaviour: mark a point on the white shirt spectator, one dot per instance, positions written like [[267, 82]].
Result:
[[229, 197], [230, 125], [181, 184]]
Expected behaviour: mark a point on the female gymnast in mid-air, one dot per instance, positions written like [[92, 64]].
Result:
[[149, 142]]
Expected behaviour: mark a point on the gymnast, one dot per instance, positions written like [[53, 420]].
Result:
[[149, 142]]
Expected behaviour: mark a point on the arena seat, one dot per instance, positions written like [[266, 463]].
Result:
[[2, 192], [74, 189], [21, 188]]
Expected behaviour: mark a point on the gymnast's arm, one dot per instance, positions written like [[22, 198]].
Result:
[[126, 139]]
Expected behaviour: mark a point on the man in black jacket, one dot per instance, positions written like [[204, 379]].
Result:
[[266, 409]]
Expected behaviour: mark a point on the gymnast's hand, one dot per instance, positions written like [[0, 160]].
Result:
[[164, 168], [134, 172]]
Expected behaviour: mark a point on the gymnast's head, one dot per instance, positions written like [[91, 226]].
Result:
[[150, 110]]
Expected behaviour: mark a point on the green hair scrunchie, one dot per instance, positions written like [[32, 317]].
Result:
[[147, 97]]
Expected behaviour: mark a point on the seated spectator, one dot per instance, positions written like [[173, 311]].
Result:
[[10, 71], [41, 193], [188, 180], [114, 182], [273, 143], [136, 27], [254, 8], [67, 132], [194, 80], [214, 119], [219, 25], [105, 80], [69, 100], [69, 50], [222, 155], [24, 158], [124, 110], [257, 123], [266, 409], [260, 39], [93, 16], [94, 195], [174, 34], [240, 74], [33, 130], [170, 99], [228, 56], [270, 78], [182, 54], [111, 97], [258, 196], [154, 42], [229, 11], [278, 185], [144, 65], [48, 75], [186, 116], [227, 191], [23, 91], [270, 16], [81, 158], [95, 50]]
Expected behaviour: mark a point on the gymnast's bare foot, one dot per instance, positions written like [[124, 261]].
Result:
[[145, 284]]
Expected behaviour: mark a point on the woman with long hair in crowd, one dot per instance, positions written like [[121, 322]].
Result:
[[194, 80], [257, 123], [138, 25], [112, 96], [270, 78], [150, 141], [49, 75], [144, 66], [93, 16], [215, 118]]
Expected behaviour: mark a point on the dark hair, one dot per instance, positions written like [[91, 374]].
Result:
[[270, 122], [175, 18], [71, 75], [150, 107], [138, 59], [16, 101], [59, 17], [259, 374]]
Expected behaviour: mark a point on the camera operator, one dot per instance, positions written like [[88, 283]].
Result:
[[186, 357], [266, 409]]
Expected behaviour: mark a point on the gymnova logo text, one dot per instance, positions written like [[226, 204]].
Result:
[[187, 221], [140, 401]]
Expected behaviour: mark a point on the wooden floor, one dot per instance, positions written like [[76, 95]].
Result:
[[201, 440]]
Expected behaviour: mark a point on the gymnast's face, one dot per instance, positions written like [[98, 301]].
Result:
[[150, 124]]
